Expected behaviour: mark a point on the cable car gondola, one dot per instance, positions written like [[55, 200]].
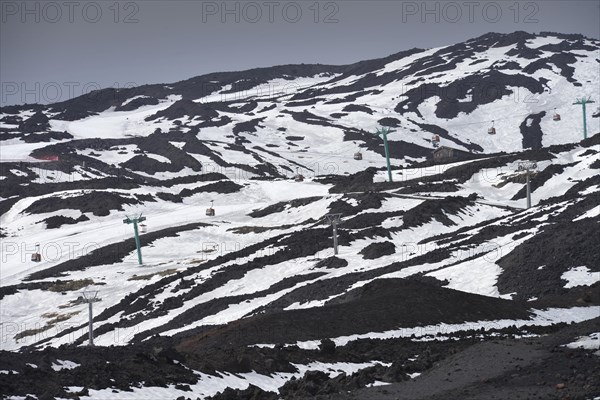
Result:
[[358, 156], [210, 212], [36, 257], [299, 177], [143, 228], [435, 139], [492, 130], [556, 116]]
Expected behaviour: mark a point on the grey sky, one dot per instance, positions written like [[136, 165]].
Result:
[[64, 52]]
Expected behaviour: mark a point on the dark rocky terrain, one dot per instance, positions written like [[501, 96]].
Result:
[[444, 286]]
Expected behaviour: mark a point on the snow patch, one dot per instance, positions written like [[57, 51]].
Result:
[[580, 276], [546, 317], [64, 364], [590, 342]]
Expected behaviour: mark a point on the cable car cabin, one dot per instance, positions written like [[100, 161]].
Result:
[[358, 156], [556, 117], [299, 178], [210, 211], [143, 228], [435, 139], [36, 257], [492, 130]]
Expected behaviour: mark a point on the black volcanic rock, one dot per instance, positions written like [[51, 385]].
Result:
[[494, 39], [146, 164], [332, 263], [525, 52], [59, 220], [535, 267], [16, 109], [248, 126], [389, 122], [279, 207], [89, 104], [308, 118], [322, 297], [250, 393], [99, 203], [376, 250], [561, 60], [484, 89], [531, 131], [303, 103], [357, 107], [246, 108], [46, 137], [11, 119], [506, 65], [436, 209], [38, 122], [378, 306], [437, 130], [215, 187]]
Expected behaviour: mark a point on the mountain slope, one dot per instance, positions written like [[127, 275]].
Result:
[[255, 294]]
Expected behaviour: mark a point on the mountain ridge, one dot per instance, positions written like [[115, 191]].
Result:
[[241, 294]]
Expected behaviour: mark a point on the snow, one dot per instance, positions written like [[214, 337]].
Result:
[[16, 150], [74, 389], [209, 385], [158, 158], [326, 149], [114, 124], [542, 41], [326, 152], [113, 156], [279, 87], [17, 172], [134, 98], [479, 275], [179, 145], [62, 364], [179, 252], [546, 317], [380, 383], [593, 213], [72, 241], [589, 342], [580, 276]]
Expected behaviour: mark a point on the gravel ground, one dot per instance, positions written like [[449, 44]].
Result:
[[535, 368]]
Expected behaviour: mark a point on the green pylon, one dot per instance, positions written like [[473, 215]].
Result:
[[138, 244], [583, 101], [383, 132]]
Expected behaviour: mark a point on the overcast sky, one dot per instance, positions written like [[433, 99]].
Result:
[[51, 51]]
